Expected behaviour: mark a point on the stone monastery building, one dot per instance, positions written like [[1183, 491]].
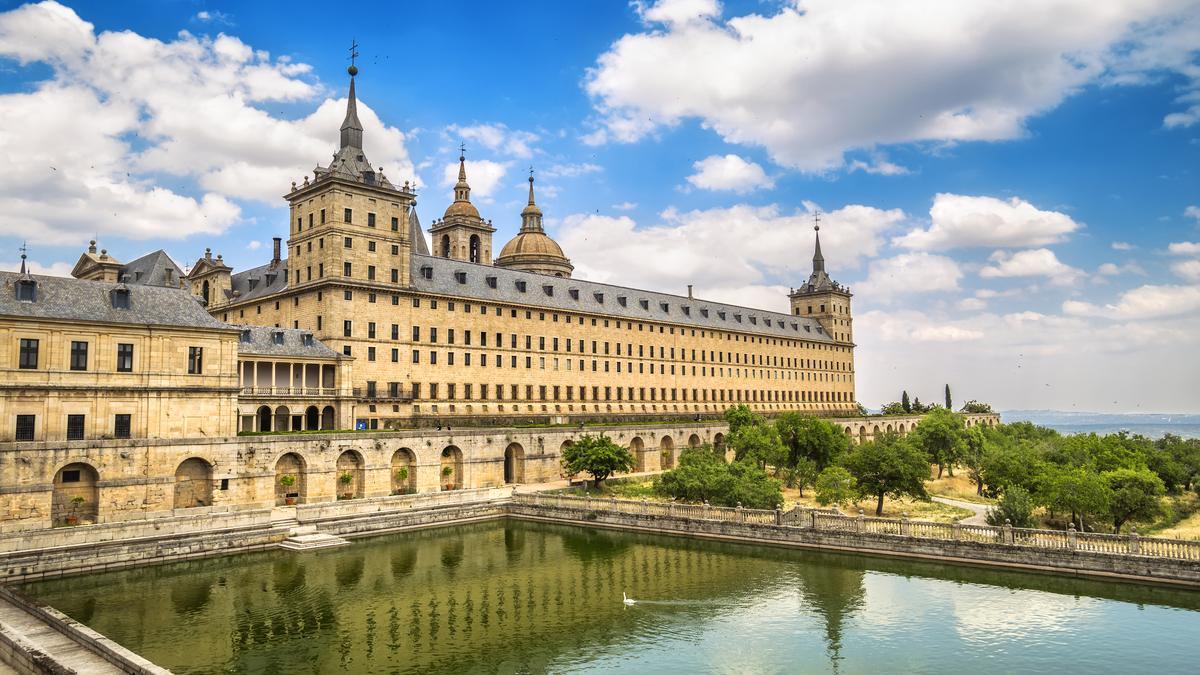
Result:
[[357, 324]]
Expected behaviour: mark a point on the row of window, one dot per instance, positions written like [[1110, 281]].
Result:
[[30, 354], [485, 392], [347, 217], [26, 427]]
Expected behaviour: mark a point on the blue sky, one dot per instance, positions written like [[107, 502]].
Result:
[[1011, 189]]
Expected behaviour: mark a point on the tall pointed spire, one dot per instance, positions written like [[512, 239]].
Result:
[[531, 216], [462, 191], [351, 128], [818, 259]]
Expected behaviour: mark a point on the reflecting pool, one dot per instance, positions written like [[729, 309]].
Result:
[[515, 597]]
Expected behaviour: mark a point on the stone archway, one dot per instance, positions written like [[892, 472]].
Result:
[[264, 418], [291, 479], [328, 420], [450, 473], [862, 434], [719, 445], [694, 441], [193, 483], [638, 449], [666, 447], [312, 418], [404, 472], [349, 476], [514, 463], [75, 498], [283, 418]]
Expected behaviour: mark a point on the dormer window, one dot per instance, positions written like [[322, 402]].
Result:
[[548, 289], [721, 315], [807, 328], [704, 312], [737, 318], [277, 336], [664, 306], [687, 311], [252, 283], [120, 298], [753, 320], [795, 326], [307, 339], [491, 281], [599, 297], [27, 290], [622, 300], [644, 303], [521, 286], [574, 293], [245, 337], [460, 277], [427, 271], [271, 278]]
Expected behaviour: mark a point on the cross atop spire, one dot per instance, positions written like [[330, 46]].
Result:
[[23, 250], [462, 191], [818, 259], [351, 128], [817, 220], [353, 69]]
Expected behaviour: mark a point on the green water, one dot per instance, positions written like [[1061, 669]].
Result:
[[518, 597]]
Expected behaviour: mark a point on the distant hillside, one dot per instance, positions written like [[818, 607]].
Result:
[[1153, 425]]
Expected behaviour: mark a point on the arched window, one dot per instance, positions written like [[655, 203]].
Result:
[[445, 246], [204, 292], [474, 254]]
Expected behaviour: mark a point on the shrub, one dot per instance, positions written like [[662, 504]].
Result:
[[703, 475], [1016, 507], [835, 485], [597, 455]]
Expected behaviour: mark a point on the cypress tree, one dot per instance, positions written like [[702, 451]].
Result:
[[905, 403], [949, 403]]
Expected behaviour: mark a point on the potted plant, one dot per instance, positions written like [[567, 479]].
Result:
[[346, 479], [402, 479], [448, 471], [73, 516], [287, 480]]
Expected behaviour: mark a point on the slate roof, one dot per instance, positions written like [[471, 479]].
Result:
[[259, 281], [79, 300], [260, 340], [152, 269], [604, 299]]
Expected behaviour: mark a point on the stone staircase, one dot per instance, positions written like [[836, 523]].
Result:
[[302, 537]]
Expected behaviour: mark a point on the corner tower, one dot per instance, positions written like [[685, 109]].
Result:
[[532, 250], [462, 234], [824, 299], [346, 221]]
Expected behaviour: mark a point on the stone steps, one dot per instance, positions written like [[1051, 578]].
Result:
[[311, 540]]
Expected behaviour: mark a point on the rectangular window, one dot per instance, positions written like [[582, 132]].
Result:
[[395, 224], [124, 358], [348, 216], [122, 426], [79, 351], [370, 273], [370, 220], [75, 427], [29, 353], [395, 276], [195, 360], [25, 426], [370, 353], [347, 327], [416, 356], [346, 269], [416, 334], [322, 216]]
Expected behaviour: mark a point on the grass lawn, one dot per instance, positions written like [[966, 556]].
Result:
[[1182, 520], [892, 508], [959, 487]]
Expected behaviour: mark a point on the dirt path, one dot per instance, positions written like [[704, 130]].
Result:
[[979, 510]]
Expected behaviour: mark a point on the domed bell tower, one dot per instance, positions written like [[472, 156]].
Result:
[[824, 299], [462, 234]]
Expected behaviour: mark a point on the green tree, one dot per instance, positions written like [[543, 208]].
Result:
[[1006, 463], [802, 475], [836, 485], [596, 455], [758, 443], [888, 466], [893, 408], [807, 437], [1073, 490], [905, 403], [860, 408], [940, 435], [949, 403], [740, 416], [1016, 507], [702, 475], [973, 455], [976, 407], [752, 488], [1135, 494]]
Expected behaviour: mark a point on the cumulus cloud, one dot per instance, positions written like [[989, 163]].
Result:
[[1144, 302], [962, 221], [1184, 248], [971, 304], [1040, 262], [571, 170], [187, 107], [857, 76], [910, 273], [1188, 269], [762, 249], [729, 172], [1192, 212], [55, 269], [625, 206], [1122, 246], [483, 175], [497, 138]]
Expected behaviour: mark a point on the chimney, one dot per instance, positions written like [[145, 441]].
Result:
[[275, 256], [689, 291]]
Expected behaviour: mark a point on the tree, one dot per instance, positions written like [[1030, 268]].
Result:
[[888, 466], [975, 407], [860, 409], [836, 485], [940, 435], [1134, 495], [1015, 507], [949, 403], [758, 443], [973, 455], [700, 476], [1073, 490], [740, 416], [905, 403], [1009, 463], [810, 438], [597, 455], [802, 475], [752, 488], [893, 408]]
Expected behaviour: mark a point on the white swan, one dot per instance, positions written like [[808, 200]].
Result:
[[626, 599]]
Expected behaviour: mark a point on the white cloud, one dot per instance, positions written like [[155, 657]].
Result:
[[185, 107], [1122, 246], [762, 250], [971, 304], [856, 76], [1188, 269], [1184, 248], [962, 221], [909, 273], [55, 269], [1144, 302], [625, 206], [205, 16], [878, 165], [571, 170], [729, 172], [483, 175], [1192, 212], [497, 138], [1040, 262], [254, 245]]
